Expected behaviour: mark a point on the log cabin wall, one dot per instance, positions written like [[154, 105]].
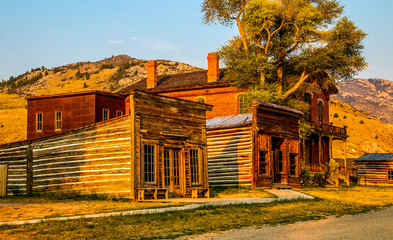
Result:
[[375, 172], [230, 156], [94, 159], [168, 129], [15, 156]]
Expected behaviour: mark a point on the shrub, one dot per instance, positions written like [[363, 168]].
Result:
[[361, 122], [304, 176], [319, 179], [335, 115], [345, 117], [85, 85]]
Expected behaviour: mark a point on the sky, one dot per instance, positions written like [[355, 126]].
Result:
[[54, 33]]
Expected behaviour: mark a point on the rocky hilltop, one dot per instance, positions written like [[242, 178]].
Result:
[[372, 95]]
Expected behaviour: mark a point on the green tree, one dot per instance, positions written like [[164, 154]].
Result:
[[283, 43]]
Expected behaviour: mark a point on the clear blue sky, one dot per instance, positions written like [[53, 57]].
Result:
[[53, 33]]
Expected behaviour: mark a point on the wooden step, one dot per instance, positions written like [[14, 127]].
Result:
[[281, 186]]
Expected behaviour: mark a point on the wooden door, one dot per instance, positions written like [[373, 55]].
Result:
[[278, 158], [3, 179], [172, 171]]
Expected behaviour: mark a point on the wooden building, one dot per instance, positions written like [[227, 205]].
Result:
[[375, 169], [208, 86], [53, 114], [261, 149], [159, 148]]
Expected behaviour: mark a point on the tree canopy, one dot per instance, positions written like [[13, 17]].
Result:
[[283, 43]]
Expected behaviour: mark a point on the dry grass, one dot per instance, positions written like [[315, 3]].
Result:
[[24, 208], [331, 201], [367, 134], [363, 195], [240, 193], [13, 118]]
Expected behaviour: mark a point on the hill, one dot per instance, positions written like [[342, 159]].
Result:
[[372, 95], [110, 75], [367, 133]]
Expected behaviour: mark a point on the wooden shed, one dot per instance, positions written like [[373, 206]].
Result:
[[159, 149], [255, 150], [375, 169]]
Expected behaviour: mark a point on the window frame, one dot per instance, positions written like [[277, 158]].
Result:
[[153, 163], [292, 166], [389, 175], [39, 124], [320, 110], [119, 113], [195, 174], [262, 162], [307, 114], [103, 114], [57, 121], [199, 98], [244, 107]]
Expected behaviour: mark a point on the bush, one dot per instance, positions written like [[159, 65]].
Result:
[[361, 122], [319, 179], [335, 115], [345, 117], [304, 176], [85, 85]]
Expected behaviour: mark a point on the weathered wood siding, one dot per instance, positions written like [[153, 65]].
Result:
[[94, 159], [278, 125], [230, 157], [374, 172], [169, 123], [15, 156]]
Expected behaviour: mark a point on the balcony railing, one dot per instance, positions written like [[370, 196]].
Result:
[[315, 167], [328, 128]]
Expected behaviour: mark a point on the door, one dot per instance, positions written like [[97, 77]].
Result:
[[172, 170], [277, 165], [3, 179]]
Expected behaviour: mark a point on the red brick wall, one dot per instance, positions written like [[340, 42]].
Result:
[[77, 111], [224, 99], [112, 103], [317, 96]]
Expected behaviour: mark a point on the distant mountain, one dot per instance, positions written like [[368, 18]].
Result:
[[372, 95]]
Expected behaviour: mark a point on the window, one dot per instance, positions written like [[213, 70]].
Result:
[[58, 121], [279, 162], [292, 164], [244, 105], [390, 175], [119, 113], [194, 165], [262, 162], [320, 109], [307, 99], [149, 163], [39, 122], [200, 99], [105, 114], [176, 167], [167, 168]]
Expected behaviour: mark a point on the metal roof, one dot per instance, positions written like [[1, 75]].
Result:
[[376, 157], [229, 121]]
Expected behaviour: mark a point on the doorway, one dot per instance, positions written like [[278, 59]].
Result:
[[277, 148], [172, 171]]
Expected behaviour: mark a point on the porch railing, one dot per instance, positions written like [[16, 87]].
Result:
[[328, 128], [315, 167]]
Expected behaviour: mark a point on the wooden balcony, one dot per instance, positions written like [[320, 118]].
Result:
[[329, 130]]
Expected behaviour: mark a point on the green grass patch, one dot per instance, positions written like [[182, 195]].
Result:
[[239, 192]]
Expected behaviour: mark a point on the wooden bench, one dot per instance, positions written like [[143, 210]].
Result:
[[196, 191], [152, 192]]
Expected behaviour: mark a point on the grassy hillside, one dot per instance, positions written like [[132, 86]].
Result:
[[367, 134], [110, 74]]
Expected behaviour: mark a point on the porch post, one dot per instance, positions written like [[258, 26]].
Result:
[[345, 154], [330, 148], [320, 153]]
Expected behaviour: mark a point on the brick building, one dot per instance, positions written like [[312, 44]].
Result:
[[209, 86], [54, 114]]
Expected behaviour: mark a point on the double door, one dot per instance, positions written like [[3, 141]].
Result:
[[173, 169]]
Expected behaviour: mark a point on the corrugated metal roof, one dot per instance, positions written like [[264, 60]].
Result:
[[229, 121], [376, 157]]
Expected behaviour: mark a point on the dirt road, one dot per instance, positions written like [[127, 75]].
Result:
[[374, 225]]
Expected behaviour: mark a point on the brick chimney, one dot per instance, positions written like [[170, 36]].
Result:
[[213, 72], [151, 74]]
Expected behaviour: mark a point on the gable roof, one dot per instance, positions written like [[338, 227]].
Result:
[[190, 80], [375, 157]]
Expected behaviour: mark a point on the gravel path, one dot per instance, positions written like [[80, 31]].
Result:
[[373, 225]]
